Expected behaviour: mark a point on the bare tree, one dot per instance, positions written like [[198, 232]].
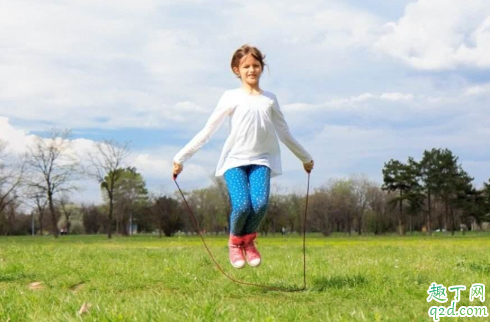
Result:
[[294, 212], [342, 203], [67, 208], [107, 166], [8, 218], [10, 178], [377, 203], [224, 201], [275, 211], [40, 203], [360, 188], [53, 169]]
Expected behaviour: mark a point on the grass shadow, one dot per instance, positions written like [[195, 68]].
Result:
[[481, 267], [281, 287], [323, 284], [17, 276]]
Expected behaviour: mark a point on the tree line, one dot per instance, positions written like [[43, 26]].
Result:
[[434, 193]]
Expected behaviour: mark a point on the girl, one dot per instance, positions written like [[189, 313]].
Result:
[[251, 154]]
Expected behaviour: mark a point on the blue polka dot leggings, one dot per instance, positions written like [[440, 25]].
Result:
[[249, 188]]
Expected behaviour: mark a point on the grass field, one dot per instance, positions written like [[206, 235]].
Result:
[[144, 278]]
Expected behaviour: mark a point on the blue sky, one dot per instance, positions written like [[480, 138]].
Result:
[[360, 82]]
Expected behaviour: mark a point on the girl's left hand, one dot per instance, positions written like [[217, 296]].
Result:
[[308, 166]]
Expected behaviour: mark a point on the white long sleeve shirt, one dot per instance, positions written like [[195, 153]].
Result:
[[255, 123]]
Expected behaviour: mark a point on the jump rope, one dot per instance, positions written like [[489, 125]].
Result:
[[268, 287]]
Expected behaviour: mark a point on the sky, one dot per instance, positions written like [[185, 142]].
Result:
[[359, 82]]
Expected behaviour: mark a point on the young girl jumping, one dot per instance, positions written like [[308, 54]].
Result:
[[250, 155]]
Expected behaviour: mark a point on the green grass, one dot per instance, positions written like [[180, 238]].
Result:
[[144, 278]]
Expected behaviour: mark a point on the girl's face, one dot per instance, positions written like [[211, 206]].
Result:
[[249, 70]]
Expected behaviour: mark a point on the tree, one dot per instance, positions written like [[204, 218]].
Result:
[[167, 216], [333, 207], [343, 204], [395, 179], [319, 211], [468, 201], [377, 204], [415, 199], [430, 174], [130, 193], [68, 209], [401, 177], [294, 212], [275, 211], [486, 195], [11, 177], [53, 168], [92, 218], [211, 207], [360, 187], [13, 222], [201, 208], [223, 200], [415, 196], [41, 202], [459, 188], [107, 166], [446, 183]]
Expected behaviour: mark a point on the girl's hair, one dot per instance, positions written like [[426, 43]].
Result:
[[244, 51]]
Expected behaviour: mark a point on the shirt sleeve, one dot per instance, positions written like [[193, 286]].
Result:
[[285, 135], [214, 122]]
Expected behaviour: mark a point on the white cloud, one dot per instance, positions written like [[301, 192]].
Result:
[[440, 34], [396, 97], [17, 140], [330, 25], [90, 64], [84, 64], [349, 102], [478, 89]]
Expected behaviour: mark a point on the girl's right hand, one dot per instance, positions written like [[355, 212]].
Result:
[[308, 166], [177, 169]]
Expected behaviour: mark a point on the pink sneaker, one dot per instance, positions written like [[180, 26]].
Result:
[[236, 251], [252, 254]]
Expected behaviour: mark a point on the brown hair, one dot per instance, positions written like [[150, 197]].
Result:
[[243, 51]]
